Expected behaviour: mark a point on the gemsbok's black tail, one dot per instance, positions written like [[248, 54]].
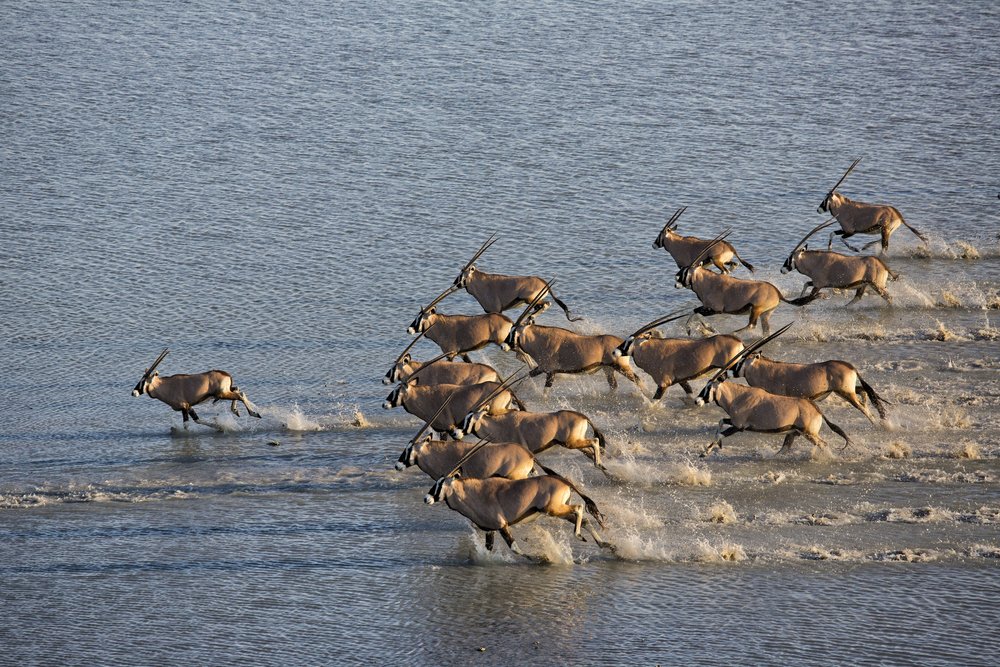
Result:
[[876, 400], [839, 431]]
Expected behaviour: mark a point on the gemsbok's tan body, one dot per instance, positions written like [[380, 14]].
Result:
[[461, 334], [754, 409], [684, 249], [827, 269], [184, 391], [671, 361], [538, 431], [857, 217], [555, 350], [496, 292], [723, 294], [814, 381], [495, 459], [425, 401], [495, 504]]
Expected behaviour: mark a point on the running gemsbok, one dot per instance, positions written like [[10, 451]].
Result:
[[183, 392], [424, 401], [813, 381], [857, 217], [538, 431], [438, 371], [684, 249], [496, 292], [460, 334], [671, 361], [754, 409], [495, 504], [556, 350], [437, 457], [828, 269], [723, 294]]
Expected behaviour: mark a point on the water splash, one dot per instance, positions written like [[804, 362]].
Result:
[[624, 516], [942, 333], [295, 420], [720, 512], [634, 545], [771, 477], [473, 545], [897, 450], [724, 552], [553, 546], [906, 556], [689, 474], [970, 451], [959, 249]]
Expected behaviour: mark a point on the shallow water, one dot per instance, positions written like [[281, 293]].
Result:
[[275, 190]]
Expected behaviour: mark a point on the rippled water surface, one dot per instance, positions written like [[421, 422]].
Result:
[[275, 189]]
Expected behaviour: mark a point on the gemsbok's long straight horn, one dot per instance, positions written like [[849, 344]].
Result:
[[159, 359], [412, 343], [427, 424], [750, 349], [676, 315], [672, 222], [448, 292], [479, 253], [814, 230], [846, 173]]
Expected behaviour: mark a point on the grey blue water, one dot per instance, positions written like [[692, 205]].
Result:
[[274, 189]]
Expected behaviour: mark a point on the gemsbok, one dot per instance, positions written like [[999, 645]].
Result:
[[723, 294], [460, 334], [183, 392], [423, 401], [555, 350], [438, 370], [814, 381], [857, 217], [538, 431], [828, 269], [497, 292], [754, 409], [495, 504], [671, 361], [437, 457], [684, 249]]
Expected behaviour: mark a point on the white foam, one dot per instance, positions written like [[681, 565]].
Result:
[[719, 512], [295, 420], [721, 552]]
